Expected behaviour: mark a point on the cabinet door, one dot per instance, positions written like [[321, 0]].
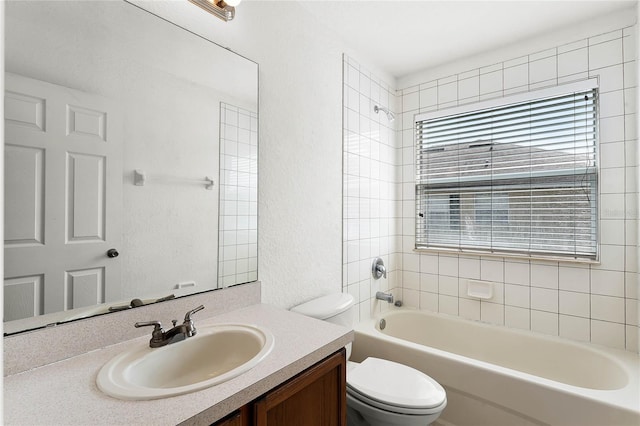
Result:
[[242, 417], [316, 397]]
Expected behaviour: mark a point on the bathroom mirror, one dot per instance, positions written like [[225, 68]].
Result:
[[130, 160]]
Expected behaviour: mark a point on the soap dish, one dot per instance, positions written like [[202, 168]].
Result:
[[480, 289]]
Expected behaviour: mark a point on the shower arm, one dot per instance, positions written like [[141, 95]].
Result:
[[390, 116]]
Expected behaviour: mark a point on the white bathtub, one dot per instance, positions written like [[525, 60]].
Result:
[[500, 376]]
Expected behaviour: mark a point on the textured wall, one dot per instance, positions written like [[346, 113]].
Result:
[[300, 147], [300, 166]]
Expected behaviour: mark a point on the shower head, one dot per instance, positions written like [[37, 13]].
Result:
[[390, 116]]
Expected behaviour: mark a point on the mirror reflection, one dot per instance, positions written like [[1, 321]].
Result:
[[130, 162], [238, 256]]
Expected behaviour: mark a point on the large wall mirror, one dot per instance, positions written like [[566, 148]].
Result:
[[130, 161]]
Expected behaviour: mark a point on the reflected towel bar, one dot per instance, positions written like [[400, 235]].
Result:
[[140, 178]]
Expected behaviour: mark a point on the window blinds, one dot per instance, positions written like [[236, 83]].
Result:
[[515, 178]]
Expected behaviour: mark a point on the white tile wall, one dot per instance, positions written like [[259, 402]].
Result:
[[238, 257], [515, 317], [587, 302], [370, 193], [575, 328]]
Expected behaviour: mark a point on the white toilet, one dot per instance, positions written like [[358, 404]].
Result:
[[379, 392]]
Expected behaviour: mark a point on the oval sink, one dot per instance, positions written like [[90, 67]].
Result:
[[216, 354]]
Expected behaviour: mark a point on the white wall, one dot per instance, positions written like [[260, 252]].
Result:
[[300, 153], [597, 302]]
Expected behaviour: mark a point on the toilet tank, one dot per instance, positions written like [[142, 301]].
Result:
[[337, 308]]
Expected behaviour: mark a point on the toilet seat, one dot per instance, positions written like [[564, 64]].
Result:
[[394, 387]]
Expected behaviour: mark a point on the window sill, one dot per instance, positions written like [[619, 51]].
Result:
[[513, 256]]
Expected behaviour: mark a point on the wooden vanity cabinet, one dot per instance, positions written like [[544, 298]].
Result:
[[315, 397], [241, 417]]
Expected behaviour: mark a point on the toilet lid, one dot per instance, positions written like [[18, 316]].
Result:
[[395, 385]]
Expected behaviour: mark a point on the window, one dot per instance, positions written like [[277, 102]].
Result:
[[515, 175]]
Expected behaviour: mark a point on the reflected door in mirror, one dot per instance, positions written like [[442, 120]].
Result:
[[63, 181]]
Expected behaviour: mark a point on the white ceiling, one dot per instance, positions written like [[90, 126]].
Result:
[[403, 37]]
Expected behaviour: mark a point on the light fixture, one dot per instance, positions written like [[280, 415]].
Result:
[[225, 10]]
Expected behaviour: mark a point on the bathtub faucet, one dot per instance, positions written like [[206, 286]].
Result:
[[387, 297]]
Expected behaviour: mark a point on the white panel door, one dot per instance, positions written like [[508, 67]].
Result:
[[63, 198]]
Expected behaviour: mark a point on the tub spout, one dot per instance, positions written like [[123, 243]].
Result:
[[387, 297]]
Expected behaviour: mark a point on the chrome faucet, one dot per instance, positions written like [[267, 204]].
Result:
[[159, 337], [387, 297]]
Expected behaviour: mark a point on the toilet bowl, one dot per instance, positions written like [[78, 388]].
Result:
[[379, 392]]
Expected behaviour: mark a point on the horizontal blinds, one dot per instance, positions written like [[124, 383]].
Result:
[[519, 177]]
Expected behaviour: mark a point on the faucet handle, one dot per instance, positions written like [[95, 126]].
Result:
[[377, 268], [157, 335], [189, 324], [157, 325], [187, 316], [381, 269]]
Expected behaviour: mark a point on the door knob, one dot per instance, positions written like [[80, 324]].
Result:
[[112, 253]]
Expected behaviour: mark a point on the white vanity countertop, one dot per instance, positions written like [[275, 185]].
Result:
[[65, 392]]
